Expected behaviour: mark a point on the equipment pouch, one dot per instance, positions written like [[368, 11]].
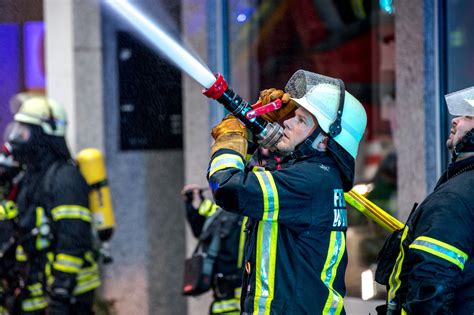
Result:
[[387, 257], [198, 269], [195, 281]]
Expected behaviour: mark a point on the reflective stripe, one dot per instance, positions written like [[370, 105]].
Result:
[[225, 306], [8, 210], [441, 250], [3, 310], [71, 212], [87, 286], [266, 244], [241, 243], [68, 263], [207, 208], [394, 280], [20, 253], [88, 278], [226, 161], [336, 249], [34, 304], [35, 289], [42, 241], [237, 293]]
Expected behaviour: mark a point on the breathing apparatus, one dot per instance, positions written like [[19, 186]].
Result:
[[461, 103], [92, 167]]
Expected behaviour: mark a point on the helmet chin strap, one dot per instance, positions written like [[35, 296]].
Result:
[[465, 146], [309, 146]]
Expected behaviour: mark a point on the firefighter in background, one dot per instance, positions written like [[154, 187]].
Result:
[[427, 266], [10, 177], [54, 219], [295, 256], [227, 269]]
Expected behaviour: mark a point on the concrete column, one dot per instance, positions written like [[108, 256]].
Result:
[[415, 136], [74, 68]]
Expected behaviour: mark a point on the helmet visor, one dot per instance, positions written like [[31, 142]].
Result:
[[461, 103], [17, 132]]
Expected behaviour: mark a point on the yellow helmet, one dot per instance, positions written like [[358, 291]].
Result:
[[41, 111]]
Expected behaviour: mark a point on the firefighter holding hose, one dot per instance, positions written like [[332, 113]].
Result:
[[295, 255]]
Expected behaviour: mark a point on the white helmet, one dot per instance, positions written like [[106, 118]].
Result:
[[320, 96], [461, 103], [41, 111]]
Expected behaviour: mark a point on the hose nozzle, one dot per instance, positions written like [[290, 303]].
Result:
[[268, 134]]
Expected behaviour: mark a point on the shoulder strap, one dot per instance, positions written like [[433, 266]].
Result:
[[46, 188]]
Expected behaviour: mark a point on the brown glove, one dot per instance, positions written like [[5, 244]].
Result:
[[230, 133], [269, 95]]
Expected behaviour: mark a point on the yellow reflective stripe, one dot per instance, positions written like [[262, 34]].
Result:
[[41, 241], [225, 306], [336, 249], [226, 161], [440, 249], [20, 253], [267, 238], [71, 212], [3, 310], [8, 210], [34, 304], [207, 208], [241, 243], [404, 312], [68, 263], [237, 293], [35, 289], [394, 280], [87, 286]]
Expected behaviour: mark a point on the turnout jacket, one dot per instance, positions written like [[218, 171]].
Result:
[[433, 272], [295, 255], [55, 233]]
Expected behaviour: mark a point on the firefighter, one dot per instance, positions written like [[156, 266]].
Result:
[[10, 177], [208, 221], [54, 220], [295, 255], [426, 265]]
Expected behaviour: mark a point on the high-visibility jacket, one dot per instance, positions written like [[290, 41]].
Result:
[[295, 253], [55, 233], [433, 272]]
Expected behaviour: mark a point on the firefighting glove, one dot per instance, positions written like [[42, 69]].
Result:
[[231, 134], [288, 105]]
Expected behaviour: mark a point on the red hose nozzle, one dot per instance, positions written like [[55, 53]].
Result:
[[259, 110], [217, 89]]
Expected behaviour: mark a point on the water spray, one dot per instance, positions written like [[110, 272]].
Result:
[[215, 87]]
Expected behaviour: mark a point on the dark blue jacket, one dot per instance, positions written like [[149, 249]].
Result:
[[295, 255], [433, 272]]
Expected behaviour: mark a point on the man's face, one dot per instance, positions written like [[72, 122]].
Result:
[[296, 130], [459, 127]]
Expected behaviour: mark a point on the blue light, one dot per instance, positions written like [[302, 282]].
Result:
[[241, 18], [387, 6]]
